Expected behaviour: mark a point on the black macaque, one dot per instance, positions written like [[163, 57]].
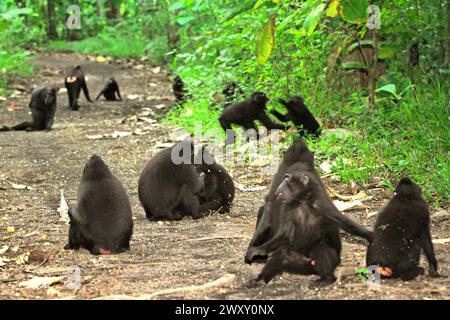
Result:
[[110, 90], [169, 183], [299, 221], [401, 231], [102, 220], [217, 192], [299, 114], [414, 56], [179, 91], [298, 152], [245, 114], [232, 92], [309, 226], [43, 109], [75, 81]]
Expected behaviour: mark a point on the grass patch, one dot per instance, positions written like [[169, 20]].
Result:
[[409, 137], [102, 45], [13, 64]]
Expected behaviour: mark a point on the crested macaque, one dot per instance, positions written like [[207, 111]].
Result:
[[110, 90], [169, 183], [217, 192], [245, 114], [298, 152], [232, 92], [179, 91], [401, 231], [75, 81], [309, 226], [299, 115], [43, 109], [414, 56], [299, 222], [102, 220]]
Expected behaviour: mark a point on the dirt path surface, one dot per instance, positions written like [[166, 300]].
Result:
[[163, 255]]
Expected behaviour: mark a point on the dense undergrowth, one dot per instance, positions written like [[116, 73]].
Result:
[[405, 133]]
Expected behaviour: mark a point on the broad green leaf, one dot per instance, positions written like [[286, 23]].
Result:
[[237, 11], [386, 53], [185, 20], [390, 88], [16, 12], [259, 3], [266, 40], [3, 25], [362, 271], [332, 8], [312, 19], [353, 11], [363, 43], [354, 65], [177, 5]]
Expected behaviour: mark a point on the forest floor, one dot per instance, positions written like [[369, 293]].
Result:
[[169, 255]]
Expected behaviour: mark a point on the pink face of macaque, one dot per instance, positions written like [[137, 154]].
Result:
[[71, 79], [105, 252], [385, 272]]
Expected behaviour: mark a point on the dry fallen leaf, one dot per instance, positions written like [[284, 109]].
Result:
[[120, 134], [40, 282], [148, 120], [243, 188], [156, 70], [326, 166], [344, 206], [52, 292], [164, 145], [23, 258], [100, 59], [359, 196], [133, 97], [95, 136], [63, 209], [30, 234], [441, 241], [140, 132], [42, 256], [371, 214], [4, 249], [3, 261], [160, 106], [354, 187], [20, 186]]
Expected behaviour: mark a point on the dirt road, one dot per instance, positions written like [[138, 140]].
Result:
[[163, 255]]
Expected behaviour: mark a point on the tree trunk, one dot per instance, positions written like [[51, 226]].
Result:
[[447, 49], [22, 4], [372, 81], [51, 32], [113, 11]]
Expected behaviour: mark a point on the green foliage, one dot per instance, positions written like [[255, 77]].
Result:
[[116, 42], [266, 40], [402, 136], [312, 19], [353, 11], [211, 42]]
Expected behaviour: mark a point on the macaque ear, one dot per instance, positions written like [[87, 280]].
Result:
[[305, 180]]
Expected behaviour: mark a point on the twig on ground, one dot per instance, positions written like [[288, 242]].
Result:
[[225, 281]]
